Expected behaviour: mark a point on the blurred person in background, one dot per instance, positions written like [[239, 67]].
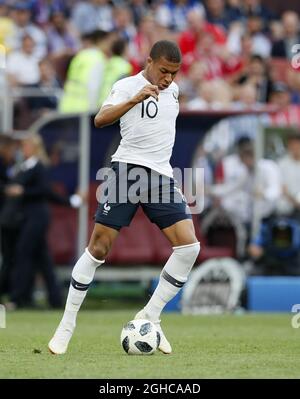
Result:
[[293, 82], [62, 37], [85, 75], [289, 166], [123, 22], [246, 97], [146, 36], [280, 95], [283, 48], [23, 64], [218, 14], [189, 40], [256, 73], [31, 191], [91, 15], [189, 84], [21, 14], [139, 9], [240, 183], [117, 67], [255, 7], [6, 25], [8, 231], [261, 45], [42, 9], [275, 250], [212, 95], [173, 13], [47, 83]]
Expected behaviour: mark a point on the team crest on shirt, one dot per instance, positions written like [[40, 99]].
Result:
[[176, 97]]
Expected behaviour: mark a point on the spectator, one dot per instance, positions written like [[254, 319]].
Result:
[[116, 68], [276, 248], [6, 26], [173, 13], [91, 15], [293, 81], [289, 166], [30, 187], [42, 10], [146, 36], [123, 23], [8, 230], [62, 38], [47, 83], [261, 45], [254, 7], [218, 14], [246, 97], [240, 185], [280, 95], [85, 76], [139, 9], [283, 48], [21, 15], [189, 83], [29, 73], [189, 40], [257, 75], [213, 95]]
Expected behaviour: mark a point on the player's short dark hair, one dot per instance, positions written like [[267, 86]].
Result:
[[166, 49]]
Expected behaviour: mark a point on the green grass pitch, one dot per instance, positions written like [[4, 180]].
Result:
[[225, 346]]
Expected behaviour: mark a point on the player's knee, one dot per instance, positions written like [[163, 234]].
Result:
[[99, 250], [188, 252]]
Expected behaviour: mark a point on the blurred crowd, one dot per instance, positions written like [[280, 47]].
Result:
[[235, 53], [256, 202]]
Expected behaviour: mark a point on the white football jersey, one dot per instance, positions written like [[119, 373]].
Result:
[[148, 129]]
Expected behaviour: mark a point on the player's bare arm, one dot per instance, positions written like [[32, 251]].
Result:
[[109, 114]]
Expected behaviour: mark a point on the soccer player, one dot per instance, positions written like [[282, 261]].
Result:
[[147, 106]]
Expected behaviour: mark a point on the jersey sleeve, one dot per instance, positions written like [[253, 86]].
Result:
[[119, 93]]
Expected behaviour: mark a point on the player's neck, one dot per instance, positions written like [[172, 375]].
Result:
[[146, 75]]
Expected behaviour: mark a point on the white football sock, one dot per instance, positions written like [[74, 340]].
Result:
[[172, 278], [82, 276]]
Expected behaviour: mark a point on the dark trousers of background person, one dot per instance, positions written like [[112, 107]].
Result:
[[32, 255], [9, 238]]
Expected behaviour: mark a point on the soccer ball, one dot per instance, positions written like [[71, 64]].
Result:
[[140, 337]]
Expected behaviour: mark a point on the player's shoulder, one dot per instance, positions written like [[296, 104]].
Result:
[[174, 86], [128, 83]]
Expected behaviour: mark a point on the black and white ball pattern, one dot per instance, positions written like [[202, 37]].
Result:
[[140, 337]]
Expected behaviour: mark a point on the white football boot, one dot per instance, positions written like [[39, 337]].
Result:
[[164, 345], [60, 340]]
